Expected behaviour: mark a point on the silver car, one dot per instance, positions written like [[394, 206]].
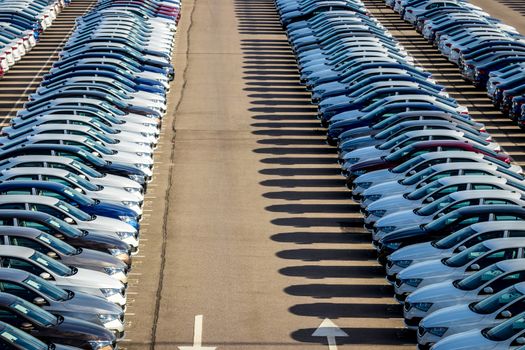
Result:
[[459, 265], [70, 278], [473, 288], [486, 313], [444, 206], [451, 244]]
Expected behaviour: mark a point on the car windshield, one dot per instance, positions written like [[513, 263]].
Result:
[[57, 244], [34, 313], [466, 256], [82, 182], [457, 237], [98, 147], [391, 143], [21, 339], [399, 153], [86, 170], [64, 228], [101, 136], [71, 210], [443, 221], [406, 166], [507, 329], [479, 278], [51, 264], [424, 191], [46, 288], [436, 206], [495, 302], [77, 197], [412, 180], [95, 160]]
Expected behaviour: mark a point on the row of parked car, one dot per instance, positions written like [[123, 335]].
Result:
[[443, 202], [488, 53], [74, 167], [21, 22]]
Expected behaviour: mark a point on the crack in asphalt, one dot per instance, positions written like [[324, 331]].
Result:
[[167, 196]]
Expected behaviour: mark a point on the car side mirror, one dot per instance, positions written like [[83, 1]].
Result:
[[52, 255], [430, 199], [96, 154], [440, 215], [520, 340], [78, 189], [26, 326], [39, 301], [462, 248], [68, 220], [412, 172], [506, 314], [82, 176], [474, 267], [45, 275], [59, 236], [488, 290]]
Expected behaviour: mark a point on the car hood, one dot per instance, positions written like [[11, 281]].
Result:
[[347, 115], [90, 279], [378, 176], [391, 203], [372, 164], [365, 153], [442, 292], [465, 341], [112, 210], [106, 224], [89, 257], [85, 303], [388, 189], [432, 268], [402, 218], [81, 330], [420, 252], [450, 316], [111, 192]]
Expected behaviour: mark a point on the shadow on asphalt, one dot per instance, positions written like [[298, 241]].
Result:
[[304, 184], [516, 5]]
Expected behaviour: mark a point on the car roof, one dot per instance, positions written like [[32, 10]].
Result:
[[16, 251], [38, 158], [502, 243], [14, 274], [24, 214], [472, 194], [488, 226], [32, 184], [34, 171], [511, 265], [28, 198], [26, 231], [452, 180]]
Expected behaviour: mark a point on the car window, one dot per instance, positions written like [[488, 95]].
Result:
[[461, 205], [25, 177], [18, 290], [483, 237], [508, 280], [506, 217], [17, 192], [56, 179], [47, 209], [28, 243], [516, 233], [484, 187], [16, 206], [30, 165], [48, 193], [496, 201], [11, 318], [32, 224], [16, 263], [505, 254]]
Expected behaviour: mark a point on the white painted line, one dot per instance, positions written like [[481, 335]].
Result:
[[197, 337]]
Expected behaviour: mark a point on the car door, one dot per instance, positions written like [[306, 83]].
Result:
[[493, 257], [19, 290], [501, 282], [21, 264], [33, 244]]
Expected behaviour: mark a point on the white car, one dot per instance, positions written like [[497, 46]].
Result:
[[486, 313], [451, 244], [70, 278], [473, 288], [459, 265]]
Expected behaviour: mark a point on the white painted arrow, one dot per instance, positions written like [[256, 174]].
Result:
[[197, 337], [330, 331]]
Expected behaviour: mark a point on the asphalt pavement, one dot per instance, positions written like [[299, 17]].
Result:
[[248, 222]]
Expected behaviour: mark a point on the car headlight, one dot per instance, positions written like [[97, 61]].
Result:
[[393, 245], [423, 306], [107, 292], [106, 318], [126, 219], [114, 270], [413, 282], [140, 154], [373, 197], [437, 331], [131, 189], [359, 172], [117, 252], [142, 166], [100, 344], [130, 203], [137, 178], [364, 185], [378, 213], [402, 263]]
